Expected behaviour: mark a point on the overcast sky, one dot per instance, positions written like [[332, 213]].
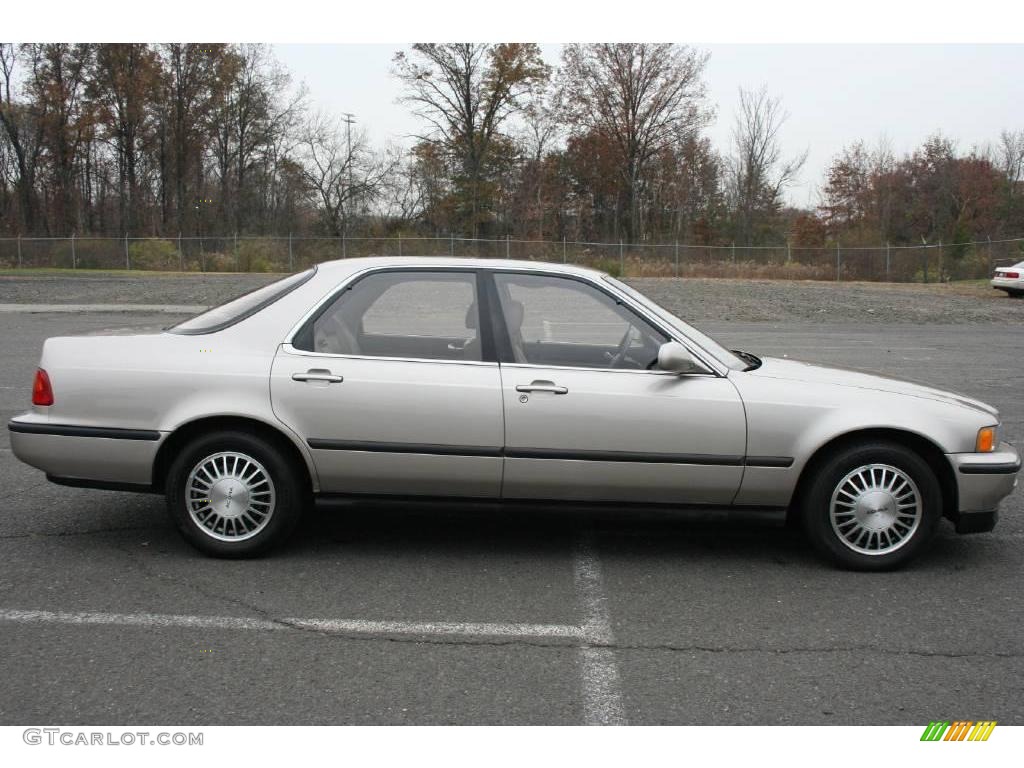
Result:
[[835, 94]]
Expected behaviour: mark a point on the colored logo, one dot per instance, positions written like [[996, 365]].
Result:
[[958, 730]]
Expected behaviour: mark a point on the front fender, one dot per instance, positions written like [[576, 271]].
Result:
[[790, 419]]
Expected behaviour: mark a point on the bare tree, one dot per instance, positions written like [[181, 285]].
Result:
[[1009, 159], [344, 175], [759, 174], [465, 92], [122, 83], [257, 110], [640, 96], [23, 125], [196, 76], [56, 82]]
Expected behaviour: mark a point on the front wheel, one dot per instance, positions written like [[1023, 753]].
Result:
[[233, 494], [872, 507]]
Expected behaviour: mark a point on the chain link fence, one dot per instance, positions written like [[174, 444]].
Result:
[[924, 263]]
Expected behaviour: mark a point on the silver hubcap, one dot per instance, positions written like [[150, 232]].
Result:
[[875, 509], [230, 496]]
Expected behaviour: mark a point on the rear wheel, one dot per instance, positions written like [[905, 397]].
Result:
[[233, 494], [872, 506]]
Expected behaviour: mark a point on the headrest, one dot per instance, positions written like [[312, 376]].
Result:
[[514, 314]]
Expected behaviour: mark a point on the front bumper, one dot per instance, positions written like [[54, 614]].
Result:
[[983, 480]]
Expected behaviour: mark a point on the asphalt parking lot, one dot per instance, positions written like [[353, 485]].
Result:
[[407, 616]]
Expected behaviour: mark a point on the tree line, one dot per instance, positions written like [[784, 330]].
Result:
[[609, 145]]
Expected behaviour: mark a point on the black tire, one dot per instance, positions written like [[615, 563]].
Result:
[[816, 506], [286, 500]]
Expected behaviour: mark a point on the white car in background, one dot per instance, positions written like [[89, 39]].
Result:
[[1010, 279]]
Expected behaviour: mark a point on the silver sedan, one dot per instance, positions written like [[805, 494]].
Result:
[[517, 382]]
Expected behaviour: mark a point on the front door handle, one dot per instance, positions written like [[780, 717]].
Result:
[[542, 386], [318, 374]]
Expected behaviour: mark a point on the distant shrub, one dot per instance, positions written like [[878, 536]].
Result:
[[612, 266], [160, 255], [261, 255], [220, 262], [89, 253]]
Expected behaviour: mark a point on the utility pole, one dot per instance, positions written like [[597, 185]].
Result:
[[348, 119]]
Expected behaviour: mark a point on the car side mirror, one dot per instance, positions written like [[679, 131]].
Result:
[[673, 357]]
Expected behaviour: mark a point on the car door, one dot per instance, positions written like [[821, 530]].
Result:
[[395, 389], [587, 416]]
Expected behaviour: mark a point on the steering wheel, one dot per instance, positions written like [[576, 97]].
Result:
[[620, 352]]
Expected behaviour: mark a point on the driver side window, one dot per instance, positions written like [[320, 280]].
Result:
[[565, 322]]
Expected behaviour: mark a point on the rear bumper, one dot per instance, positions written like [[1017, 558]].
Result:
[[86, 454], [1007, 284], [983, 480]]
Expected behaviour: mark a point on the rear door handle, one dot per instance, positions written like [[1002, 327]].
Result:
[[318, 374], [542, 386]]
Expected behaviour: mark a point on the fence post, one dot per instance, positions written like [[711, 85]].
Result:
[[887, 262], [734, 253], [181, 256], [677, 258], [839, 261], [74, 259], [988, 237], [127, 258], [507, 244], [236, 250], [451, 243], [290, 259], [19, 252], [789, 252], [344, 246], [399, 243], [940, 260], [622, 259], [565, 255]]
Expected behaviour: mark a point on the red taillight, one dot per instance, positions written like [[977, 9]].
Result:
[[1012, 275], [42, 392]]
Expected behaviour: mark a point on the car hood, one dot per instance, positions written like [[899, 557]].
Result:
[[778, 368]]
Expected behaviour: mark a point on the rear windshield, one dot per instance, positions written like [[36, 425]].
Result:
[[244, 306]]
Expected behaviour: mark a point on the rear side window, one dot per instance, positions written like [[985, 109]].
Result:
[[244, 306], [418, 315]]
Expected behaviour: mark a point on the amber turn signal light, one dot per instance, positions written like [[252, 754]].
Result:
[[986, 440]]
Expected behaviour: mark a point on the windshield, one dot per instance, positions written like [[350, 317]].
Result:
[[708, 344], [244, 306]]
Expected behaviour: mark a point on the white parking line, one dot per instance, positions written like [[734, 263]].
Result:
[[329, 626], [602, 692], [600, 684]]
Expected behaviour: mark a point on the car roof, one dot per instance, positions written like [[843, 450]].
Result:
[[340, 268]]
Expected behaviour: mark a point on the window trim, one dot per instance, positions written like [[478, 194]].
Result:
[[485, 330], [495, 321], [507, 359]]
